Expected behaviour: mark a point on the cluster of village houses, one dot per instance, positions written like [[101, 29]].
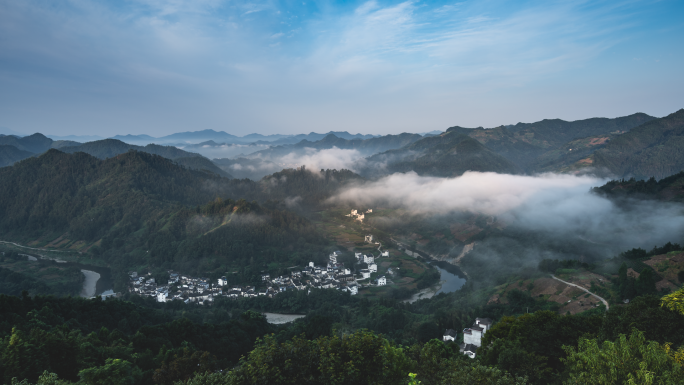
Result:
[[472, 336], [202, 291], [359, 216]]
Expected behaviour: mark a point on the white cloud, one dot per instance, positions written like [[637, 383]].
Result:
[[561, 205]]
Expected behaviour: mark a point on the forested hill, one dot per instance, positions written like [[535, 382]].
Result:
[[666, 189], [108, 148], [138, 209], [449, 154], [86, 196], [312, 186], [551, 144], [652, 149], [10, 155]]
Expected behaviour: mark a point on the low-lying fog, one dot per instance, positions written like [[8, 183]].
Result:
[[559, 205]]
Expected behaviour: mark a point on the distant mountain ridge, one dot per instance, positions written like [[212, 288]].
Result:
[[108, 148], [222, 137]]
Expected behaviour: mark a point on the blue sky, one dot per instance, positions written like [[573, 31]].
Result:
[[157, 67]]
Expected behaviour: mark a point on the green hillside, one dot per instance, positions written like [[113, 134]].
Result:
[[667, 189], [108, 148], [138, 209], [10, 155], [201, 163], [546, 145], [449, 154], [653, 149], [36, 143]]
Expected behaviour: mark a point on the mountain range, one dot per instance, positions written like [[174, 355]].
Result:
[[637, 145]]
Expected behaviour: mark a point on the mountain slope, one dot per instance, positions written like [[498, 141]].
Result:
[[36, 143], [108, 148], [670, 189], [203, 164], [655, 148], [10, 155], [449, 154], [535, 147], [141, 209]]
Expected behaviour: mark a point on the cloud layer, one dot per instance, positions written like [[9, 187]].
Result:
[[560, 205]]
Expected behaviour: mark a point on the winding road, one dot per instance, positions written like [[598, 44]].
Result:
[[583, 289], [33, 248]]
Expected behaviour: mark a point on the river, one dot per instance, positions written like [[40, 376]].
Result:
[[98, 280]]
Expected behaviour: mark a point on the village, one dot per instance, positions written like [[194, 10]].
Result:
[[203, 291]]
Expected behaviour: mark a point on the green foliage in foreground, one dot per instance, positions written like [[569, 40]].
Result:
[[628, 360], [358, 358]]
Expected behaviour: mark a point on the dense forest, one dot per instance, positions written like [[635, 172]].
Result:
[[343, 339]]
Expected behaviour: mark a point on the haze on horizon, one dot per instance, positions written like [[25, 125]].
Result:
[[82, 67]]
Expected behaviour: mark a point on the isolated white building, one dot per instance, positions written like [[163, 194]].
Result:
[[382, 281], [365, 273], [223, 281], [369, 238], [472, 336], [385, 254], [449, 335]]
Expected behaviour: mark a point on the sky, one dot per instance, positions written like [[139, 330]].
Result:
[[79, 67]]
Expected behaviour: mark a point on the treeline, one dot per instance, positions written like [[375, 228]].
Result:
[[630, 341], [644, 189], [93, 340]]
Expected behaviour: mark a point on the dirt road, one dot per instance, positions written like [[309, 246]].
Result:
[[583, 289]]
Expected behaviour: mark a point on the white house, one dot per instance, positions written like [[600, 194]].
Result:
[[365, 273], [373, 268], [333, 257], [354, 290], [449, 335], [472, 336], [382, 281], [368, 259], [369, 210], [223, 281], [385, 254], [369, 238], [162, 296]]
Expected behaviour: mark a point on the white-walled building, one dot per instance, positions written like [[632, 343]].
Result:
[[368, 259], [382, 281], [365, 273], [373, 267], [385, 254], [450, 335], [223, 281], [472, 336], [369, 238]]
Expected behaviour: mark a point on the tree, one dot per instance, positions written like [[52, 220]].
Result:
[[113, 372], [630, 361]]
